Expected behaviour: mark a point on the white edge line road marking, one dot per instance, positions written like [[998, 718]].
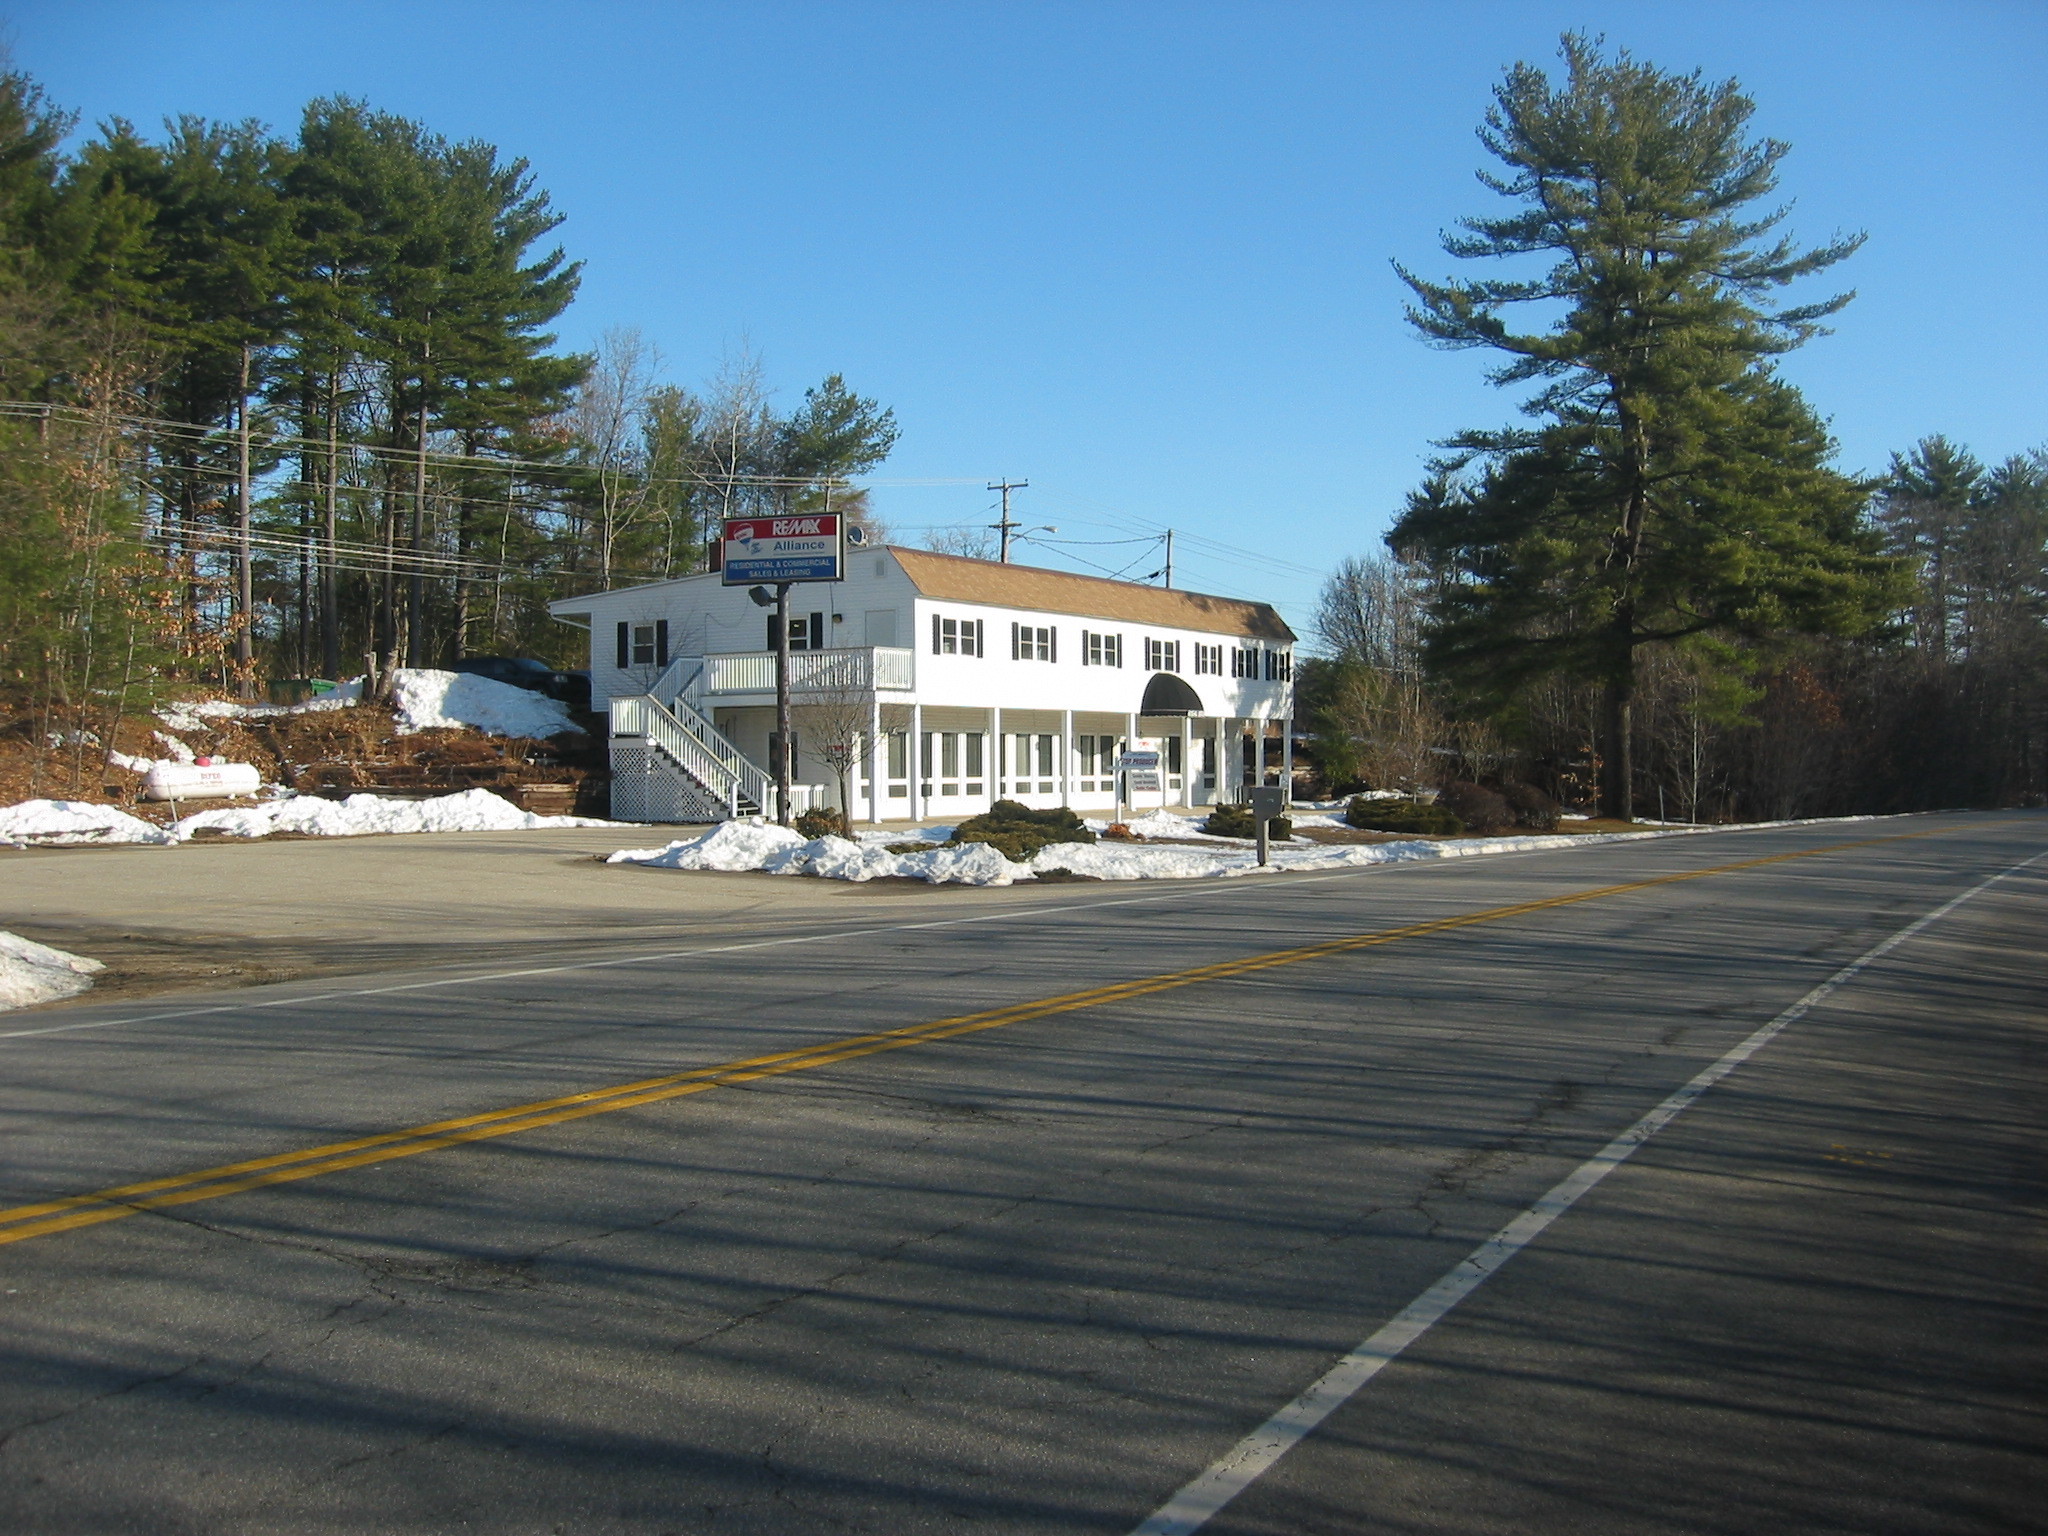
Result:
[[1219, 889], [1196, 1503]]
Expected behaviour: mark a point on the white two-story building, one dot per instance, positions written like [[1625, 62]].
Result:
[[967, 681]]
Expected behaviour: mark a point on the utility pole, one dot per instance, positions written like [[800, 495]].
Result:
[[245, 585], [1005, 526], [1169, 557], [416, 584]]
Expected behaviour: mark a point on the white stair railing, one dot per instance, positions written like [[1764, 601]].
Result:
[[695, 746]]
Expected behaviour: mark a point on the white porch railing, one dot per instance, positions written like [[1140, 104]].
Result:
[[881, 668]]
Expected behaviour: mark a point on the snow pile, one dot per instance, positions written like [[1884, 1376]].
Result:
[[432, 700], [738, 847], [1131, 861], [474, 810], [68, 823], [731, 846], [199, 714], [32, 973]]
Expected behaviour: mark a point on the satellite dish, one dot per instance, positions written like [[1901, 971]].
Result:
[[856, 536]]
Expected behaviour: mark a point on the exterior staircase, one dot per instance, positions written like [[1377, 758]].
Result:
[[670, 763]]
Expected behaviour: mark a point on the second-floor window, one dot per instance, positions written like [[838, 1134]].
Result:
[[956, 637], [1279, 666], [1101, 650], [806, 632], [1244, 661], [1033, 642], [1208, 660], [1162, 655]]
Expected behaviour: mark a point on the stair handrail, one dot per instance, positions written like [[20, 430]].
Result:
[[695, 745]]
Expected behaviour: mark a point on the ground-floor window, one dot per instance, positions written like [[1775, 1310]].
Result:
[[899, 765], [950, 763], [1095, 764], [1030, 765]]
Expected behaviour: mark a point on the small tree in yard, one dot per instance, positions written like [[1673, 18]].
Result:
[[835, 723]]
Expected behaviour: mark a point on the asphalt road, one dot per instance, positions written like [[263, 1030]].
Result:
[[1036, 1269]]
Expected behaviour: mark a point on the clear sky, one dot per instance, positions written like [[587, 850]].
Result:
[[1138, 253]]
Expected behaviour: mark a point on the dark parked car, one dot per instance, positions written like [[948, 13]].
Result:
[[572, 688]]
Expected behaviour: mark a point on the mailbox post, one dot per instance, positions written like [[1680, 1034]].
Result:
[[1266, 804]]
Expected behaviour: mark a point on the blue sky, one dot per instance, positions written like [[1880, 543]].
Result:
[[1139, 253]]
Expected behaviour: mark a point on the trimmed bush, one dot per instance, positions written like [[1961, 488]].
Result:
[[1017, 832], [825, 821], [1532, 808], [1402, 816], [1480, 808], [1236, 821]]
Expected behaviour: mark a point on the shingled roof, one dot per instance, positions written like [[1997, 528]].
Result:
[[956, 578]]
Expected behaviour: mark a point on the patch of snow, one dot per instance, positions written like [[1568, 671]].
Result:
[[1134, 861], [731, 846], [69, 823], [474, 810], [741, 847], [428, 699], [32, 973], [180, 753], [968, 864]]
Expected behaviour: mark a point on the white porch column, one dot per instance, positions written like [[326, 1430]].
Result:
[[916, 763], [878, 759], [1187, 762], [1066, 757], [999, 758]]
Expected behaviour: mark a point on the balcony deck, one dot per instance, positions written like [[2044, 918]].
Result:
[[865, 669]]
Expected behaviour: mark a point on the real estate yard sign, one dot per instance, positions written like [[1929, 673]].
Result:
[[775, 549], [1140, 771]]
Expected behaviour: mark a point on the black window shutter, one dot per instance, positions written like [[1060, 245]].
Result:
[[1016, 642], [774, 632], [1052, 645], [935, 634], [661, 642], [978, 650], [817, 632], [625, 645]]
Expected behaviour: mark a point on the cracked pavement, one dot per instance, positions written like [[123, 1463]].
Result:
[[1031, 1280]]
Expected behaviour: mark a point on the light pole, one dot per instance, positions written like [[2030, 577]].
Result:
[[778, 746]]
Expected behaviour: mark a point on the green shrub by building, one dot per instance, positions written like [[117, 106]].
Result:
[[1017, 832]]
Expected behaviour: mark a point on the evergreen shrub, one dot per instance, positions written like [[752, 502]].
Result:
[[1017, 832], [825, 821], [1236, 821], [1402, 816]]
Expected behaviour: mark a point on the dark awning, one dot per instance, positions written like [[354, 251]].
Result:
[[1168, 695]]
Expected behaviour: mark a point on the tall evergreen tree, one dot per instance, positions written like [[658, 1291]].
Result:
[[1671, 489]]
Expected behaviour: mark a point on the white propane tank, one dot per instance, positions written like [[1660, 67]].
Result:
[[206, 778]]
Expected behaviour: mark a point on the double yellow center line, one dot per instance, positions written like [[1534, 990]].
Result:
[[62, 1215]]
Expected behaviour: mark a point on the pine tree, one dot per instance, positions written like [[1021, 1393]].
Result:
[[1672, 490]]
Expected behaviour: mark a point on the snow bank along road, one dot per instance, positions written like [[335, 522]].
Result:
[[1027, 1220]]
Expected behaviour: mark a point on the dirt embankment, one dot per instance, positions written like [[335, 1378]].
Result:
[[329, 752]]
